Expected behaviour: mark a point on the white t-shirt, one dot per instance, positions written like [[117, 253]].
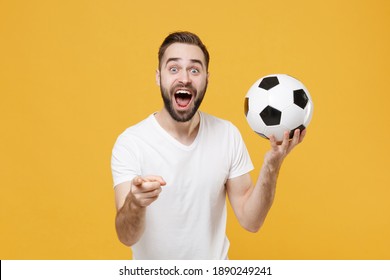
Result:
[[188, 220]]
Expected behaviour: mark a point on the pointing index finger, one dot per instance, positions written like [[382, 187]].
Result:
[[153, 178]]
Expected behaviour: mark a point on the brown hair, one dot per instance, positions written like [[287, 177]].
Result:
[[184, 37]]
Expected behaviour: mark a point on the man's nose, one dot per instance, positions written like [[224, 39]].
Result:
[[185, 78]]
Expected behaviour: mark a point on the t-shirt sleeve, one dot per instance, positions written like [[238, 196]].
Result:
[[124, 164], [241, 162]]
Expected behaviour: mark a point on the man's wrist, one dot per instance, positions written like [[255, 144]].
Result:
[[272, 166], [132, 203]]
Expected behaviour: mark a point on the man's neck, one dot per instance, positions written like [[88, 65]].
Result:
[[184, 132]]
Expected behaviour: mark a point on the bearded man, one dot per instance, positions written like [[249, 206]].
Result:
[[173, 170]]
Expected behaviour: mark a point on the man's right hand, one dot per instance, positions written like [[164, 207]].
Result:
[[146, 190], [132, 198]]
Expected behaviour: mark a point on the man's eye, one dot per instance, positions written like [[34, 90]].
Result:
[[173, 69], [194, 71]]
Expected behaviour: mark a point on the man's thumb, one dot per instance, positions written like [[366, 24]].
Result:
[[137, 181]]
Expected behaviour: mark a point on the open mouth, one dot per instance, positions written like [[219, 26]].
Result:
[[183, 98]]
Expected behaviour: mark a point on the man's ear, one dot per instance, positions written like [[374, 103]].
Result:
[[158, 77]]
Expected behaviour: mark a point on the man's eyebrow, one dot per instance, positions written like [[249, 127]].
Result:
[[177, 59], [172, 59], [197, 61]]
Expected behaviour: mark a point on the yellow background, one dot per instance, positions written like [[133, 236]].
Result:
[[75, 74]]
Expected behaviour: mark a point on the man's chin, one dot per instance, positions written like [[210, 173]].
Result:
[[182, 116]]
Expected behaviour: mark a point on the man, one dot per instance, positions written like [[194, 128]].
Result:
[[172, 171]]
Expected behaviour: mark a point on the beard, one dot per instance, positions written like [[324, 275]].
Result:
[[182, 116]]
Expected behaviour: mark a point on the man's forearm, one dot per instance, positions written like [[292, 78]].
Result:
[[261, 197], [130, 222]]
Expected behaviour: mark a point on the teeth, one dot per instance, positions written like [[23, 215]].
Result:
[[183, 92]]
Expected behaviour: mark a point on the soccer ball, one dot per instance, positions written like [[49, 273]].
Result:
[[278, 103]]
